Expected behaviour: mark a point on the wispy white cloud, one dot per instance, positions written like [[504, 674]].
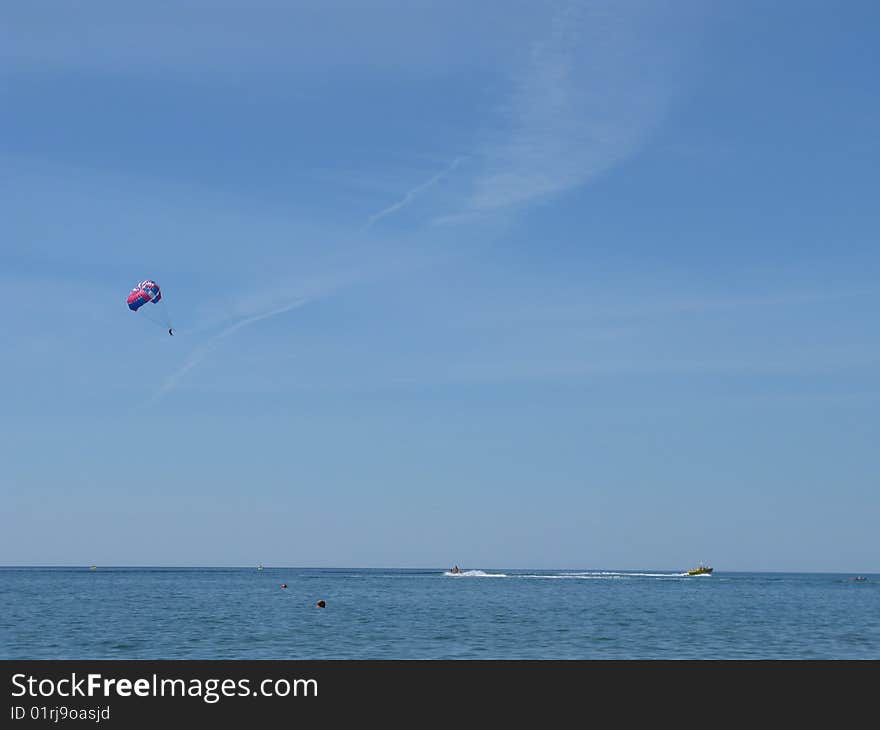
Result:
[[413, 194], [589, 95]]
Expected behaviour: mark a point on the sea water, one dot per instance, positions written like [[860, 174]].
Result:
[[244, 613]]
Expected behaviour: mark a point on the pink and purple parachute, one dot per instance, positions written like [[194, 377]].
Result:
[[146, 291]]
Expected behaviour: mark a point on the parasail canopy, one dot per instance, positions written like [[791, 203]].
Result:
[[146, 291]]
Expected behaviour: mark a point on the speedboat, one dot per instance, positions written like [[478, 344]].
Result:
[[700, 570], [456, 570]]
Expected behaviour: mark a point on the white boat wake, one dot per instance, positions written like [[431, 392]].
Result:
[[475, 574]]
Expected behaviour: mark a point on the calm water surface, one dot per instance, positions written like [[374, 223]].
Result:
[[243, 613]]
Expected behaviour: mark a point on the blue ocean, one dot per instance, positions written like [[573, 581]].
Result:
[[245, 613]]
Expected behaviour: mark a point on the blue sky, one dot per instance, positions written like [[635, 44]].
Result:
[[586, 285]]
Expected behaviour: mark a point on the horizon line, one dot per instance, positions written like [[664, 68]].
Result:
[[393, 567]]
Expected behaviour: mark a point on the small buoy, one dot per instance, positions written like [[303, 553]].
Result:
[[321, 604], [284, 585]]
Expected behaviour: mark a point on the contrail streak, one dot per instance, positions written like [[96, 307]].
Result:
[[200, 353], [412, 194]]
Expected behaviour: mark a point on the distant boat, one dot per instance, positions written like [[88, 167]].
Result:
[[456, 570], [859, 578], [259, 567], [93, 567], [700, 570]]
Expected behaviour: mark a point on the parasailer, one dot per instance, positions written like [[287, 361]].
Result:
[[148, 292]]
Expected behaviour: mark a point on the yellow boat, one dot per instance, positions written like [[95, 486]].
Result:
[[700, 570]]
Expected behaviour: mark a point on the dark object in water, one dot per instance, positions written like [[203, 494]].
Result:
[[320, 604], [284, 585]]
